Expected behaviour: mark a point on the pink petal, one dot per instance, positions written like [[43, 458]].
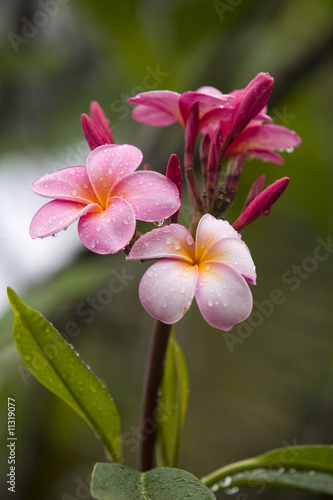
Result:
[[211, 230], [207, 102], [173, 241], [57, 215], [108, 231], [67, 184], [266, 156], [167, 288], [267, 137], [261, 205], [235, 253], [97, 114], [223, 296], [91, 132], [152, 196], [108, 164], [158, 107], [153, 116]]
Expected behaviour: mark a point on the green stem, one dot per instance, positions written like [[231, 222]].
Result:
[[154, 372]]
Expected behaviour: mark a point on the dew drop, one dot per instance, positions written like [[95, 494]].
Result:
[[289, 150], [226, 482], [74, 192], [150, 273], [210, 303], [225, 303], [54, 235], [214, 488], [231, 491], [93, 243], [159, 223], [189, 239], [266, 212], [98, 228], [177, 245]]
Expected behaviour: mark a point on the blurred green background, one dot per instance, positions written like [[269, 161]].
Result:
[[272, 388]]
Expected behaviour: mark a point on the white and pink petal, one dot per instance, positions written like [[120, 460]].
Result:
[[235, 253], [167, 289], [222, 295], [211, 230], [172, 241]]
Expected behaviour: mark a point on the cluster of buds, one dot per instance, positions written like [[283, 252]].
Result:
[[233, 127]]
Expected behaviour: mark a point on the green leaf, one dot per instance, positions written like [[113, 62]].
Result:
[[117, 482], [302, 467], [58, 367], [172, 405]]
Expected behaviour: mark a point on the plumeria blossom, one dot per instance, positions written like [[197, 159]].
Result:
[[215, 269], [247, 130], [106, 196], [165, 107]]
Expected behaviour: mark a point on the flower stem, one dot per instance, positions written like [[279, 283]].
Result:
[[154, 372]]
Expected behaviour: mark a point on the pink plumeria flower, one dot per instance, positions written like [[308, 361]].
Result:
[[215, 269], [246, 132], [165, 107], [106, 197]]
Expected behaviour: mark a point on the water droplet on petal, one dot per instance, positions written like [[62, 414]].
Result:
[[266, 212], [289, 150], [98, 228], [189, 239], [74, 192], [177, 245], [54, 235], [159, 223]]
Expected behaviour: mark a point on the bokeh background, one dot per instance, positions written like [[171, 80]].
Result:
[[273, 385]]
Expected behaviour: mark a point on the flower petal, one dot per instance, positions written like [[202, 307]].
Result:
[[153, 116], [110, 230], [266, 156], [67, 184], [235, 253], [108, 164], [223, 296], [57, 215], [152, 196], [167, 288], [208, 100], [266, 137], [173, 241], [211, 230], [157, 107]]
